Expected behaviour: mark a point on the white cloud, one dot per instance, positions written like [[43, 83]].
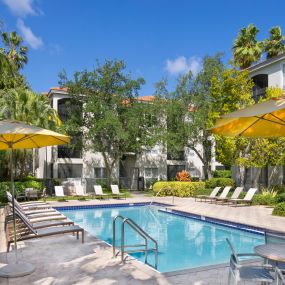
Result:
[[28, 35], [20, 7], [182, 65]]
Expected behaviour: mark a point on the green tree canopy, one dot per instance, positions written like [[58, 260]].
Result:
[[246, 48], [275, 45], [112, 119]]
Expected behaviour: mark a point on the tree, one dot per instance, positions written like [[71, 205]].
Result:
[[188, 112], [275, 45], [14, 50], [246, 48], [112, 119]]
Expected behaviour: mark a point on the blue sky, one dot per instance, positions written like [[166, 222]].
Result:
[[156, 38]]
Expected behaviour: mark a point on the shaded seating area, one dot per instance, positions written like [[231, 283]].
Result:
[[262, 273]]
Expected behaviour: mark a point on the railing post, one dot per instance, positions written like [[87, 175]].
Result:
[[123, 241], [114, 237]]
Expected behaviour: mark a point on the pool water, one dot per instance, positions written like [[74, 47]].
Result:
[[183, 242]]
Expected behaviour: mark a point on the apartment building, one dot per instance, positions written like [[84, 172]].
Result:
[[133, 171], [268, 73]]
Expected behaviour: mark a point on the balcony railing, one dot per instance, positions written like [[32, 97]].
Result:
[[68, 152], [257, 93]]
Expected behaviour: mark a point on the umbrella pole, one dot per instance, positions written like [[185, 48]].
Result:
[[12, 190]]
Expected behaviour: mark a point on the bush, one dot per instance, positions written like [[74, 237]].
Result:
[[219, 182], [183, 176], [222, 174], [179, 189], [279, 209], [19, 187], [279, 189], [267, 197], [280, 198], [149, 182], [195, 179]]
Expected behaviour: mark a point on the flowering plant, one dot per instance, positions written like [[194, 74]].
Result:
[[183, 176]]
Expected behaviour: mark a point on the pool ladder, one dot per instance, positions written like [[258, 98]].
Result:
[[137, 247]]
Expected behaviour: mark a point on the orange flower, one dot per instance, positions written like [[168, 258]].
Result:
[[183, 176]]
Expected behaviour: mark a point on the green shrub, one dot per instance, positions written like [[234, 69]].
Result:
[[19, 187], [216, 182], [280, 198], [267, 197], [279, 189], [149, 182], [195, 179], [222, 174], [179, 189], [279, 209]]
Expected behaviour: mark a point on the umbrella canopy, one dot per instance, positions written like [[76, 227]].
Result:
[[18, 135], [263, 120]]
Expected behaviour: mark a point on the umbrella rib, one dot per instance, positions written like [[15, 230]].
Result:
[[262, 118], [59, 139], [258, 118], [34, 142], [277, 117]]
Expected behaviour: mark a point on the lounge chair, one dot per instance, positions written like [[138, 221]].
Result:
[[244, 272], [29, 232], [116, 192], [246, 200], [223, 195], [213, 194], [99, 192], [235, 195], [58, 190], [41, 224]]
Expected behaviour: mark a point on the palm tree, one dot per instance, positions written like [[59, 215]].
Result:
[[26, 106], [246, 49], [14, 50], [275, 45]]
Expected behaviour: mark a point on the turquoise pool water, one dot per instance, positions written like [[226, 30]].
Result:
[[183, 242]]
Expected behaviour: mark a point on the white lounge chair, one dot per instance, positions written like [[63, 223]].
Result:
[[99, 192], [224, 194], [235, 195], [213, 194], [116, 192], [59, 191], [247, 199]]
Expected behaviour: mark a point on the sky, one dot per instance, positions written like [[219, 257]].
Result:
[[156, 38]]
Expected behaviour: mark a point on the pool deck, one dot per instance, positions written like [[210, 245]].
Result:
[[65, 260]]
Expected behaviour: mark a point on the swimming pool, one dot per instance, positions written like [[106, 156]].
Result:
[[183, 242]]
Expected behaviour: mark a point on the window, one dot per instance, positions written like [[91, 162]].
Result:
[[151, 172], [100, 172], [173, 169], [68, 170]]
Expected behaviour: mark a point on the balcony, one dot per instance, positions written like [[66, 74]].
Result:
[[257, 93], [69, 152], [176, 156]]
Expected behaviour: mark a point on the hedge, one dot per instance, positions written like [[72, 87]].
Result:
[[279, 209], [222, 182], [19, 187], [222, 174], [179, 189]]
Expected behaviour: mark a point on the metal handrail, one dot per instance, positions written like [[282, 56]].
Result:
[[139, 231]]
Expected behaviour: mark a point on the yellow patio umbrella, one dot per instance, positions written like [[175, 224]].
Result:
[[18, 135], [262, 120]]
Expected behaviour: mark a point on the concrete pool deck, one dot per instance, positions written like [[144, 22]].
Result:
[[65, 260]]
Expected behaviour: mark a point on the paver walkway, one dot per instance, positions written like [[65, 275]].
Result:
[[64, 260]]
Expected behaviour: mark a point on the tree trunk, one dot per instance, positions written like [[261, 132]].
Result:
[[256, 177], [242, 174], [109, 167]]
